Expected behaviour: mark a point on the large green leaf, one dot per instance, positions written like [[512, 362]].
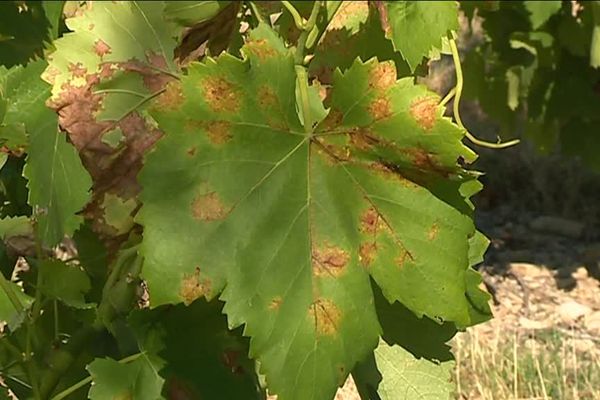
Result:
[[417, 27], [293, 223]]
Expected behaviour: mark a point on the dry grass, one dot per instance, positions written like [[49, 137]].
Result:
[[521, 364]]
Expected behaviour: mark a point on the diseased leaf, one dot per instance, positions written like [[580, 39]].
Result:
[[58, 183], [417, 27], [354, 32], [118, 57], [137, 380], [64, 282], [291, 224]]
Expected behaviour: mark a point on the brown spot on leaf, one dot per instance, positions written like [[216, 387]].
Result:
[[363, 139], [380, 108], [333, 119], [402, 257], [424, 111], [220, 95], [424, 161], [275, 303], [177, 389], [329, 260], [382, 77], [266, 97], [367, 252], [326, 316], [433, 232], [218, 132], [209, 207], [172, 98], [260, 48], [369, 221], [77, 69], [90, 27], [191, 151], [193, 287], [101, 48]]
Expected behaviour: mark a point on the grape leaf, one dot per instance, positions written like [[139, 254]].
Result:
[[294, 222], [11, 313], [355, 31], [118, 57], [189, 13], [221, 368], [23, 28], [417, 27], [58, 183], [137, 380], [395, 374], [64, 282], [541, 11]]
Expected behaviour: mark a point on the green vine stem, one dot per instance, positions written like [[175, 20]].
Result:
[[458, 94], [87, 380], [298, 20]]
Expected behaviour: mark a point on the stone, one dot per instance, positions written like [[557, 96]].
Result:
[[570, 311]]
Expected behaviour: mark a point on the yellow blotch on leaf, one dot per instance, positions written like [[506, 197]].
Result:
[[329, 260], [218, 132], [193, 287], [326, 317], [209, 207], [220, 94], [383, 76], [424, 111]]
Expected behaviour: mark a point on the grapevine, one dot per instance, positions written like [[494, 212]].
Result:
[[232, 199]]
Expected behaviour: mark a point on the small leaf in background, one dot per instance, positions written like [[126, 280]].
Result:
[[53, 10], [136, 380], [541, 11], [14, 226], [395, 374], [13, 304], [189, 13], [221, 366], [64, 282], [416, 27], [24, 30]]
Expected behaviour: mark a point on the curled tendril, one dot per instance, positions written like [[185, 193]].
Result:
[[457, 92]]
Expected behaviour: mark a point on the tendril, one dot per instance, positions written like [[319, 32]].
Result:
[[457, 94]]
